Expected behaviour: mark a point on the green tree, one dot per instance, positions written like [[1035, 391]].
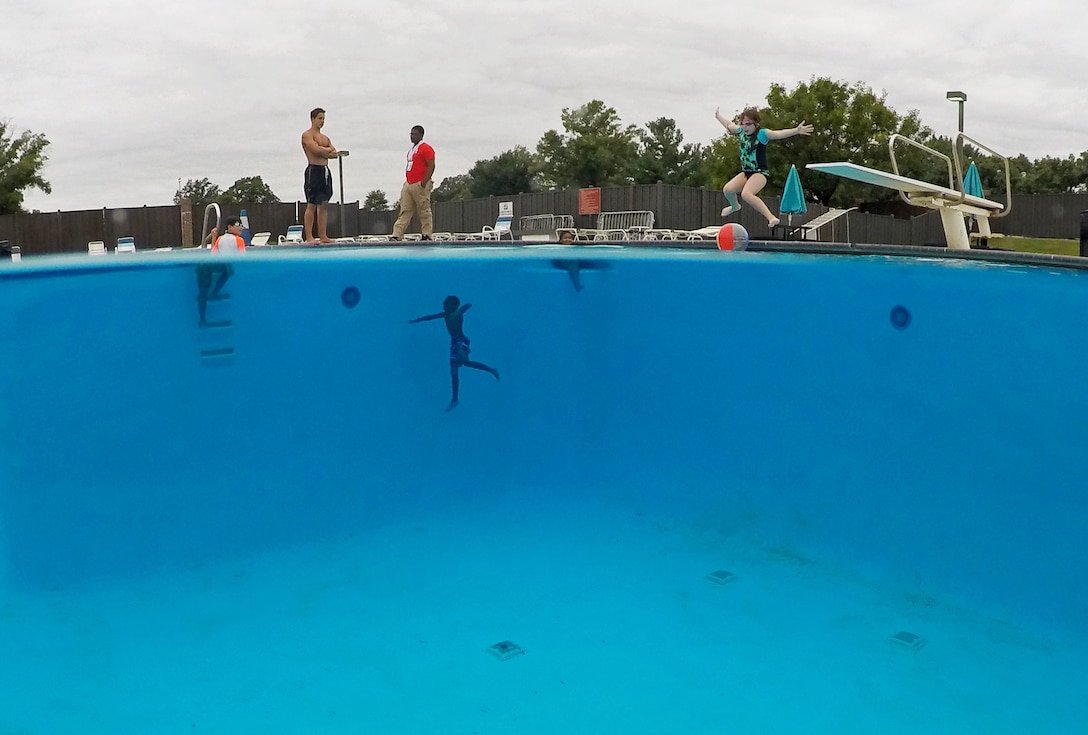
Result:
[[453, 189], [595, 150], [512, 172], [21, 161], [200, 192], [249, 190], [663, 156], [1055, 176], [376, 202]]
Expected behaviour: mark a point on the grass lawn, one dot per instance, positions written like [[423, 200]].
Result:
[[1037, 245]]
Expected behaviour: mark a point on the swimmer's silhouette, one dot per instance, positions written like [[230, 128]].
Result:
[[454, 314], [575, 266]]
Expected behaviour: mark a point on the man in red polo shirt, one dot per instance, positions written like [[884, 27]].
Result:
[[415, 195]]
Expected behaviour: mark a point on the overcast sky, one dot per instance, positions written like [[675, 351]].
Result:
[[134, 96]]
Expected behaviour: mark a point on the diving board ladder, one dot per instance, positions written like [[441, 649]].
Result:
[[951, 202]]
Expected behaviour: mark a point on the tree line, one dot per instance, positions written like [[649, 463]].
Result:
[[246, 190], [852, 123], [595, 148]]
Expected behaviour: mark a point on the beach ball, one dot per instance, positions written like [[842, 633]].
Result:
[[732, 237]]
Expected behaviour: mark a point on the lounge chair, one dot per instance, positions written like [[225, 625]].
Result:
[[487, 232], [96, 247], [545, 227], [294, 235], [125, 245]]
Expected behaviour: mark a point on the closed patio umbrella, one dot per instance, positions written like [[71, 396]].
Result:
[[972, 182], [793, 196], [972, 186]]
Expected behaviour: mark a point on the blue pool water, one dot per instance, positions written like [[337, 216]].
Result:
[[296, 537]]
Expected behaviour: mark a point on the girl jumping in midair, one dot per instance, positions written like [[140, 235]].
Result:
[[753, 160]]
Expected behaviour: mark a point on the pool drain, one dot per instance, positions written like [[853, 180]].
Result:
[[720, 577], [907, 641], [899, 317], [349, 297], [505, 649]]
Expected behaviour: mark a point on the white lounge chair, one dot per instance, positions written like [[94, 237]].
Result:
[[96, 247], [545, 227], [294, 235], [260, 239], [487, 232], [125, 245], [621, 225]]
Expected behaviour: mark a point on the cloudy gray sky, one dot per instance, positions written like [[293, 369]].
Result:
[[137, 95]]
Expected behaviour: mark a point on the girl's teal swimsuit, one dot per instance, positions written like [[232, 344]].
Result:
[[753, 152]]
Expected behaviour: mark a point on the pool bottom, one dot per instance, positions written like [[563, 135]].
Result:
[[621, 632]]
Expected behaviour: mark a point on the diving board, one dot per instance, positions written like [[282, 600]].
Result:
[[951, 204], [904, 184]]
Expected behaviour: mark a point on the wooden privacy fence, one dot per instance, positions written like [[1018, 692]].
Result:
[[153, 227], [688, 208], [674, 207]]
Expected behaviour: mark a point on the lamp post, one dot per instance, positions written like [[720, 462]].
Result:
[[960, 97], [341, 155]]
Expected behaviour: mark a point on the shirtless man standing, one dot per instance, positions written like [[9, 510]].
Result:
[[318, 182]]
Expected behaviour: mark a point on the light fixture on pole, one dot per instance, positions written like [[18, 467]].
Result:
[[959, 97], [341, 155]]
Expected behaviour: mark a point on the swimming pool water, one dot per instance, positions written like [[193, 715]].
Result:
[[298, 537]]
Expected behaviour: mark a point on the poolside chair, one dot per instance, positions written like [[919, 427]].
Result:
[[125, 245], [623, 225], [294, 235], [96, 247], [500, 230], [260, 239]]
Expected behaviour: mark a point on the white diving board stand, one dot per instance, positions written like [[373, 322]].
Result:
[[953, 205]]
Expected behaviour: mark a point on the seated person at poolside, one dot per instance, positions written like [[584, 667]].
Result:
[[230, 243]]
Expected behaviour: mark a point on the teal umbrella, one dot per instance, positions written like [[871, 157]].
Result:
[[793, 196], [972, 182]]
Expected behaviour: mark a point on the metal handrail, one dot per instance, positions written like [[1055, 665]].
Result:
[[204, 229], [955, 180], [1008, 176]]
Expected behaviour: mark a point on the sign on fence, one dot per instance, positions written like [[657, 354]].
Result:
[[589, 201]]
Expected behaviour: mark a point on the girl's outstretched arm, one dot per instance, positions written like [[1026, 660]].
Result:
[[801, 129], [727, 123]]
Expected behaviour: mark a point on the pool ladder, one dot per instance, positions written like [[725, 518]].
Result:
[[211, 330], [214, 327]]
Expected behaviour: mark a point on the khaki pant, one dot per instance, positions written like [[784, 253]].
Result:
[[415, 200]]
